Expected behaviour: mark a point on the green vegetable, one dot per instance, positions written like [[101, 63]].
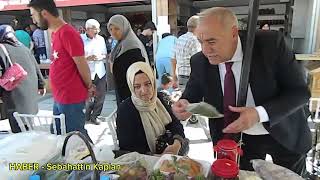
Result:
[[157, 175]]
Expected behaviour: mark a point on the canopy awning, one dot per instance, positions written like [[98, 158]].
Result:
[[9, 5]]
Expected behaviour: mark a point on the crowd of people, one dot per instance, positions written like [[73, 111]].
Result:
[[32, 37], [205, 63]]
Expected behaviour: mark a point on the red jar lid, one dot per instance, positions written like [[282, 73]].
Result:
[[225, 168], [227, 144]]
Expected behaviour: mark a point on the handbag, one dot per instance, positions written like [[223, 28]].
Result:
[[14, 75]]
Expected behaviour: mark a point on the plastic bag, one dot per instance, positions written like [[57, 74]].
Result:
[[204, 109], [104, 153], [27, 147], [269, 171]]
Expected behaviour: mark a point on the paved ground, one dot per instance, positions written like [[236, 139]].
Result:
[[200, 147]]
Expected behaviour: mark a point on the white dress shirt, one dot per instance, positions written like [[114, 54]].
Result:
[[96, 46], [257, 129]]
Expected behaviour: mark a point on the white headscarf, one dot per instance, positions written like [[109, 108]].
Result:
[[154, 115], [129, 39]]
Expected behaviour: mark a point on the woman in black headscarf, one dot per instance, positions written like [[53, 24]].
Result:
[[24, 98]]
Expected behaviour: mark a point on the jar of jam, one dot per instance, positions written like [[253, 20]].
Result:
[[225, 169], [227, 149]]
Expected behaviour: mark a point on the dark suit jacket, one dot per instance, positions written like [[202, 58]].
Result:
[[130, 130], [277, 83]]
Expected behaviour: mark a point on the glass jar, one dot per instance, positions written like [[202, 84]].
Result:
[[225, 169], [227, 149]]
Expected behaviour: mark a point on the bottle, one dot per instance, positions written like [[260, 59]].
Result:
[[227, 149], [225, 169]]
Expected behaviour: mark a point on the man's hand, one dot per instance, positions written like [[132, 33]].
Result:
[[92, 90], [42, 92], [91, 58], [174, 82], [179, 109], [83, 68], [173, 149], [248, 117]]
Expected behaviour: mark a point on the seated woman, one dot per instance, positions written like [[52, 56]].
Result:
[[144, 117]]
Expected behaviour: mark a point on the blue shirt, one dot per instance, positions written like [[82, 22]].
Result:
[[38, 38], [165, 47]]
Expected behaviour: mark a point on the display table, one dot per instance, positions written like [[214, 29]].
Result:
[[308, 57], [27, 147], [312, 64], [152, 162]]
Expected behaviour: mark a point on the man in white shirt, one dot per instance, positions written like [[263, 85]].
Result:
[[274, 120], [96, 53]]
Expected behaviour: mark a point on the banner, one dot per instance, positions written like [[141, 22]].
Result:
[[9, 5]]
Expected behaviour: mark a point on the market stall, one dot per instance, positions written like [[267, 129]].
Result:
[[48, 156]]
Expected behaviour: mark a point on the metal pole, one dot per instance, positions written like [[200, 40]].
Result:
[[246, 63]]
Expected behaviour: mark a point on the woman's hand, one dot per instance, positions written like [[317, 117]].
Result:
[[174, 148], [42, 92]]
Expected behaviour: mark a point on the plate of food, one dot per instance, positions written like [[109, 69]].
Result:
[[181, 167], [133, 171]]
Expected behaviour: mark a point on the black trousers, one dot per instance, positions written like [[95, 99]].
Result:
[[257, 146], [93, 109], [13, 123]]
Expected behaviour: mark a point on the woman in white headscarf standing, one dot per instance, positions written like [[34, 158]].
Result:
[[128, 50], [145, 117]]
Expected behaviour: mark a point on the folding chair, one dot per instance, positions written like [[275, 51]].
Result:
[[111, 120], [40, 123], [314, 108]]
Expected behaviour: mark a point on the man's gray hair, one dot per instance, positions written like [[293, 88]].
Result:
[[92, 23], [193, 21], [224, 15]]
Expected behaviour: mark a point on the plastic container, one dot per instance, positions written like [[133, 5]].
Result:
[[227, 149], [225, 169]]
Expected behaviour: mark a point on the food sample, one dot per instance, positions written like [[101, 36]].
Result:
[[133, 172], [192, 166], [183, 165]]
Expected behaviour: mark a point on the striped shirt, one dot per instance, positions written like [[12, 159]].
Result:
[[186, 46]]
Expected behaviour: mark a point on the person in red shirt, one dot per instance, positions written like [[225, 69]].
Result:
[[69, 72]]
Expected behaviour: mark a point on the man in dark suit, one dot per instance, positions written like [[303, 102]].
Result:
[[274, 120]]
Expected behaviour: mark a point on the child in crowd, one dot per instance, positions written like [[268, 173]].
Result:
[[167, 90]]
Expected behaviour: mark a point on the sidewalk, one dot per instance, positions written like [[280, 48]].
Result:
[[200, 145], [46, 103]]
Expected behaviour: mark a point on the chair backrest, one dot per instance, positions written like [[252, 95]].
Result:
[[314, 107], [40, 123], [111, 120]]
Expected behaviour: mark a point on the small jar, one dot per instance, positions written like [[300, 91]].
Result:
[[225, 169], [227, 149]]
